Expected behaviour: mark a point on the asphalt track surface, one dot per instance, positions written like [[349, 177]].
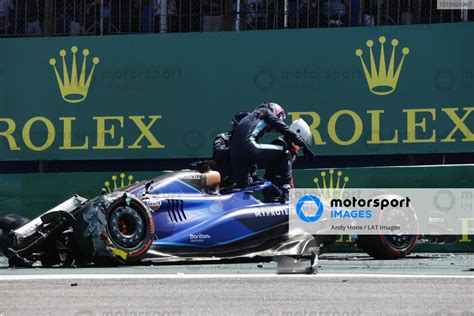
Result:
[[347, 284]]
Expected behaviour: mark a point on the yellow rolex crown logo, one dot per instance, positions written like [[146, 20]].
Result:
[[327, 187], [74, 88], [124, 181], [382, 81]]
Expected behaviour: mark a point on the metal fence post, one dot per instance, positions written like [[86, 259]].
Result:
[[379, 9], [48, 17], [164, 16], [464, 15], [237, 20], [102, 17]]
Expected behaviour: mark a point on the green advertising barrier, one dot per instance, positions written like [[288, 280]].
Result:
[[32, 194], [377, 90]]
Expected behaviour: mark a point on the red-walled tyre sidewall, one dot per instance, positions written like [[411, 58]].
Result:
[[379, 247]]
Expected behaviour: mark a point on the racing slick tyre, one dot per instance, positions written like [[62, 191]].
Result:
[[387, 246], [124, 236], [9, 223], [392, 244]]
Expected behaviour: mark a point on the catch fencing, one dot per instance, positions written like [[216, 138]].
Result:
[[102, 17]]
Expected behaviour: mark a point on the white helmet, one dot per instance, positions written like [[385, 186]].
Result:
[[301, 128]]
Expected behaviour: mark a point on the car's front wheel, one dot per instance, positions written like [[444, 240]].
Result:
[[119, 232], [9, 223]]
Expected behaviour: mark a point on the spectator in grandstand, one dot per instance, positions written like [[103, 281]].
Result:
[[407, 16], [259, 14], [150, 15], [101, 15], [75, 28], [34, 10], [333, 11], [6, 11], [302, 13], [213, 15], [27, 17], [70, 16], [370, 10]]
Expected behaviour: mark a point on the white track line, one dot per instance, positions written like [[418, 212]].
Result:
[[220, 276]]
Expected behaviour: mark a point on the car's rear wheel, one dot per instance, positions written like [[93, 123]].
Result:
[[387, 246], [392, 245]]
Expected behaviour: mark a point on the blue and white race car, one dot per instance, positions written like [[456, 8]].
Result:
[[180, 216], [184, 215]]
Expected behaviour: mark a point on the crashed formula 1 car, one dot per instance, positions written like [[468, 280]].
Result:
[[178, 216], [184, 215]]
